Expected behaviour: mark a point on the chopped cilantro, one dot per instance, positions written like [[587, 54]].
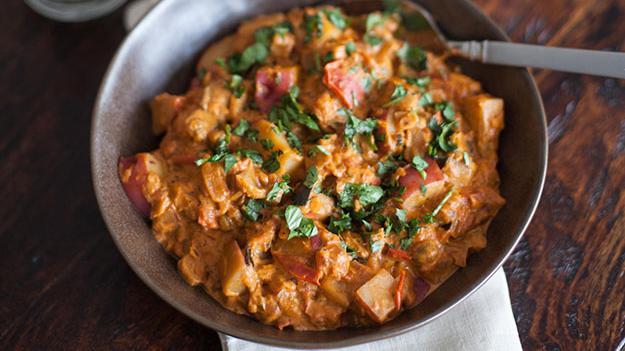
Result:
[[280, 187], [373, 40], [252, 155], [413, 56], [426, 99], [420, 165], [350, 250], [350, 48], [236, 86], [220, 152], [290, 111], [447, 110], [336, 17], [387, 166], [267, 144], [272, 164], [420, 82], [340, 224], [299, 226], [311, 177], [221, 62], [442, 203], [252, 209], [356, 126], [366, 194], [398, 94], [318, 148], [240, 63], [313, 24], [373, 20]]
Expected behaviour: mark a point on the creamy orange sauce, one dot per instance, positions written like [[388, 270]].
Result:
[[321, 171]]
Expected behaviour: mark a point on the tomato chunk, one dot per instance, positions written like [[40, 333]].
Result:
[[133, 182], [413, 180], [344, 82], [398, 254], [297, 266], [271, 84]]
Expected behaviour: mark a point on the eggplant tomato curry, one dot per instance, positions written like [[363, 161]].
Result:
[[322, 170]]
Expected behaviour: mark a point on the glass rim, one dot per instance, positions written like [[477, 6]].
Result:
[[76, 11]]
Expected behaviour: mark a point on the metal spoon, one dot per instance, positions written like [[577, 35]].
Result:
[[594, 62]]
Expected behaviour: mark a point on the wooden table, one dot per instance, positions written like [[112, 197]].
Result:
[[64, 286]]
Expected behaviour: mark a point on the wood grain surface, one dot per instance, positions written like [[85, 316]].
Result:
[[64, 286]]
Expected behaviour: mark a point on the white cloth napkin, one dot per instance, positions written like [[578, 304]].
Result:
[[483, 322]]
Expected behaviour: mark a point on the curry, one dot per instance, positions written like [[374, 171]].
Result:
[[322, 170]]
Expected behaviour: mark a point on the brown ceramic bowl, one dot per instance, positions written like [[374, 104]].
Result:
[[159, 55]]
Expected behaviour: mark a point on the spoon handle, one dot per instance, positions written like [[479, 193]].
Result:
[[599, 63]]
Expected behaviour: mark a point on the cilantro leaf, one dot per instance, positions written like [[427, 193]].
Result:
[[272, 164], [350, 48], [355, 126], [373, 20], [236, 86], [398, 94], [366, 194], [241, 128], [252, 155], [340, 224], [281, 187], [311, 177], [253, 54], [373, 40], [420, 82], [413, 56], [293, 216], [299, 226], [387, 166], [267, 144], [252, 209], [420, 165], [336, 17], [313, 24]]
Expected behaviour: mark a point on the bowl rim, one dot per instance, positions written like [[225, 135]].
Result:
[[535, 196]]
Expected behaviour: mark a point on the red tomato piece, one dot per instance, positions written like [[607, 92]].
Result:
[[134, 183], [271, 84], [412, 180], [399, 289], [398, 254], [297, 266], [344, 82], [315, 242]]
